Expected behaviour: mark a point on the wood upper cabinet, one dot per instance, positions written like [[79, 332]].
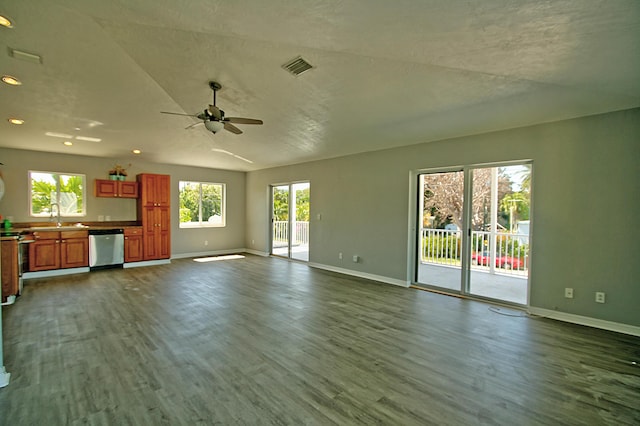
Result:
[[56, 250], [9, 268], [155, 190], [133, 245], [115, 188], [154, 214]]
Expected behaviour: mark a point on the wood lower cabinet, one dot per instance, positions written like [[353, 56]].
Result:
[[58, 250], [9, 268], [44, 252], [74, 249], [115, 188], [133, 245], [154, 215], [156, 232]]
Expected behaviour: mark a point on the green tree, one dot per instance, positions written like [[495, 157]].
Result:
[[280, 204], [43, 194], [211, 201], [302, 205], [189, 201], [515, 206], [71, 194]]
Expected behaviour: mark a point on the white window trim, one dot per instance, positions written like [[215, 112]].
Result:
[[49, 215], [201, 223]]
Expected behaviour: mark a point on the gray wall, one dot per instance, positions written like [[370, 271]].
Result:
[[15, 203], [586, 197]]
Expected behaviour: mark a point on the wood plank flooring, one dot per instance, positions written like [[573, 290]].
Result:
[[266, 341]]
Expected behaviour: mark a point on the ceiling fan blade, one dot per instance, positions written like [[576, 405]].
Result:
[[194, 125], [240, 120], [177, 113], [233, 129], [215, 112]]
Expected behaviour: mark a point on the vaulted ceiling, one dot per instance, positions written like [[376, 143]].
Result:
[[386, 73]]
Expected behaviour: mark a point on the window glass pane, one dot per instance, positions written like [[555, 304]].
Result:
[[65, 190], [212, 203], [189, 202], [43, 193], [71, 187], [201, 204]]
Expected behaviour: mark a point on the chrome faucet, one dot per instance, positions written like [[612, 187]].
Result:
[[59, 222]]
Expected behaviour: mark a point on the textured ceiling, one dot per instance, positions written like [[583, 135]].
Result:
[[386, 74]]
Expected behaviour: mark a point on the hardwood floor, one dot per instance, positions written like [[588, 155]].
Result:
[[266, 341]]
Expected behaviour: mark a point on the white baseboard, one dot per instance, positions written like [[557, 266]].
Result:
[[365, 275], [4, 377], [256, 252], [207, 253], [146, 263], [588, 321], [54, 273]]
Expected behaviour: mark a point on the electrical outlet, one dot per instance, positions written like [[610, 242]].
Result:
[[319, 216], [356, 258], [253, 242], [568, 293], [599, 297], [206, 243], [107, 218], [340, 255], [100, 218]]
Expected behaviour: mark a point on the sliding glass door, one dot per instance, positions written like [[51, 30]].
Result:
[[440, 215], [473, 233], [500, 258], [290, 220]]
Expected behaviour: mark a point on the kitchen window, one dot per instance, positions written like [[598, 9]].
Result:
[[57, 194], [202, 204]]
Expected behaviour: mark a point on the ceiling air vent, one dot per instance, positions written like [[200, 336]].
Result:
[[297, 66], [25, 56]]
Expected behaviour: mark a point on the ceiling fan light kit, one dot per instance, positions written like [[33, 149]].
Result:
[[214, 126], [213, 117]]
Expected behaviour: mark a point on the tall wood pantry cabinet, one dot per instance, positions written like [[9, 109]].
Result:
[[154, 215]]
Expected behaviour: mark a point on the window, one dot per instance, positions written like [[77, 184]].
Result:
[[202, 204], [50, 191]]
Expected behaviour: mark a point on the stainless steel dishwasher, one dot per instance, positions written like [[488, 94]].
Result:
[[106, 248]]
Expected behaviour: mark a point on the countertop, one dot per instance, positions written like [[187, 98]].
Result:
[[21, 230]]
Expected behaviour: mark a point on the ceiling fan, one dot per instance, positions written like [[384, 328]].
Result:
[[213, 117]]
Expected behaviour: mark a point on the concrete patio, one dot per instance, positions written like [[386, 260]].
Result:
[[509, 288]]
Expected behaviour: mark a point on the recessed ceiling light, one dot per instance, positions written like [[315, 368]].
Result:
[[11, 80], [136, 151], [6, 22], [16, 121], [67, 143]]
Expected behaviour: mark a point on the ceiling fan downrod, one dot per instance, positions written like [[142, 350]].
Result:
[[215, 86]]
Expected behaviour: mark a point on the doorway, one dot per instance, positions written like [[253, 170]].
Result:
[[290, 220], [473, 231]]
